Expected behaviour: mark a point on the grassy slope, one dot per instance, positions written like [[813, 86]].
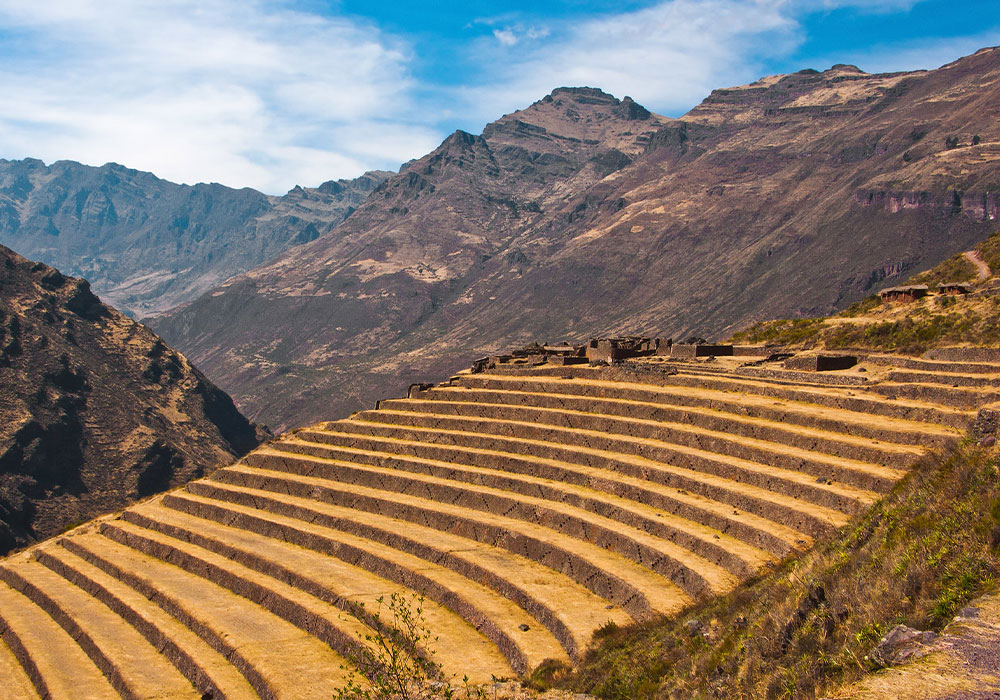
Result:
[[805, 628], [913, 328]]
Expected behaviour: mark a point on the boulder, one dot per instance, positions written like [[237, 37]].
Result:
[[900, 644]]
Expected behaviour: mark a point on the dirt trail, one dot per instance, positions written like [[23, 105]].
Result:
[[983, 269]]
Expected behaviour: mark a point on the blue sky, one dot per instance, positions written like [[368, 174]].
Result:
[[273, 93]]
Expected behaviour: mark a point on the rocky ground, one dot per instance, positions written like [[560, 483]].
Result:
[[959, 664]]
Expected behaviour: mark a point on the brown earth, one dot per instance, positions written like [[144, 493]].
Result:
[[585, 215], [95, 410]]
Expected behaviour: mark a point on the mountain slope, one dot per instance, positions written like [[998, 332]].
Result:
[[147, 244], [95, 410], [583, 214]]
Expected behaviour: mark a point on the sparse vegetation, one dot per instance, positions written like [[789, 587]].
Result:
[[782, 331], [915, 558], [989, 251], [395, 661], [955, 269], [916, 334], [862, 307]]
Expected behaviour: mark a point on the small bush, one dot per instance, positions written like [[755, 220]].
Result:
[[394, 661]]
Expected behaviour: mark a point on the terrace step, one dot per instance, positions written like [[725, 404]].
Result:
[[693, 573], [773, 496], [788, 412], [310, 614], [280, 660], [731, 553], [949, 379], [962, 397], [852, 399], [132, 666], [688, 426], [567, 609], [47, 651], [759, 533], [756, 461], [16, 684], [915, 363], [777, 374], [207, 669], [483, 607], [638, 590], [338, 584]]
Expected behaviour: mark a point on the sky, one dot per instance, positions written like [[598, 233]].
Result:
[[273, 93]]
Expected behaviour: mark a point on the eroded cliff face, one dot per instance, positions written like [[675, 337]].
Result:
[[584, 214], [978, 206], [148, 245], [95, 410]]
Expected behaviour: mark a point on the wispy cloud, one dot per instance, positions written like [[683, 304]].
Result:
[[244, 92], [505, 36], [668, 56], [919, 53]]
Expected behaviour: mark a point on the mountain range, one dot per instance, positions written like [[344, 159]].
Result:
[[580, 215], [585, 214], [147, 245]]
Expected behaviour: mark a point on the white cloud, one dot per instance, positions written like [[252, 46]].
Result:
[[668, 56], [918, 54], [509, 36], [248, 93], [505, 36]]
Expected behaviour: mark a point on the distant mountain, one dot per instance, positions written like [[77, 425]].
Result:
[[584, 214], [147, 244], [95, 410]]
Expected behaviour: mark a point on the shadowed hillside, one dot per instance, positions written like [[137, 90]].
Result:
[[95, 410]]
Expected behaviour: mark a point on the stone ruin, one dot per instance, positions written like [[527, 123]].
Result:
[[955, 288], [906, 293], [820, 363], [598, 351]]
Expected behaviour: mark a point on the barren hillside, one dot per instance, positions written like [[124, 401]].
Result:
[[147, 244]]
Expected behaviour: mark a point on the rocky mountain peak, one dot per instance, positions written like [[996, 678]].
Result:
[[571, 117]]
